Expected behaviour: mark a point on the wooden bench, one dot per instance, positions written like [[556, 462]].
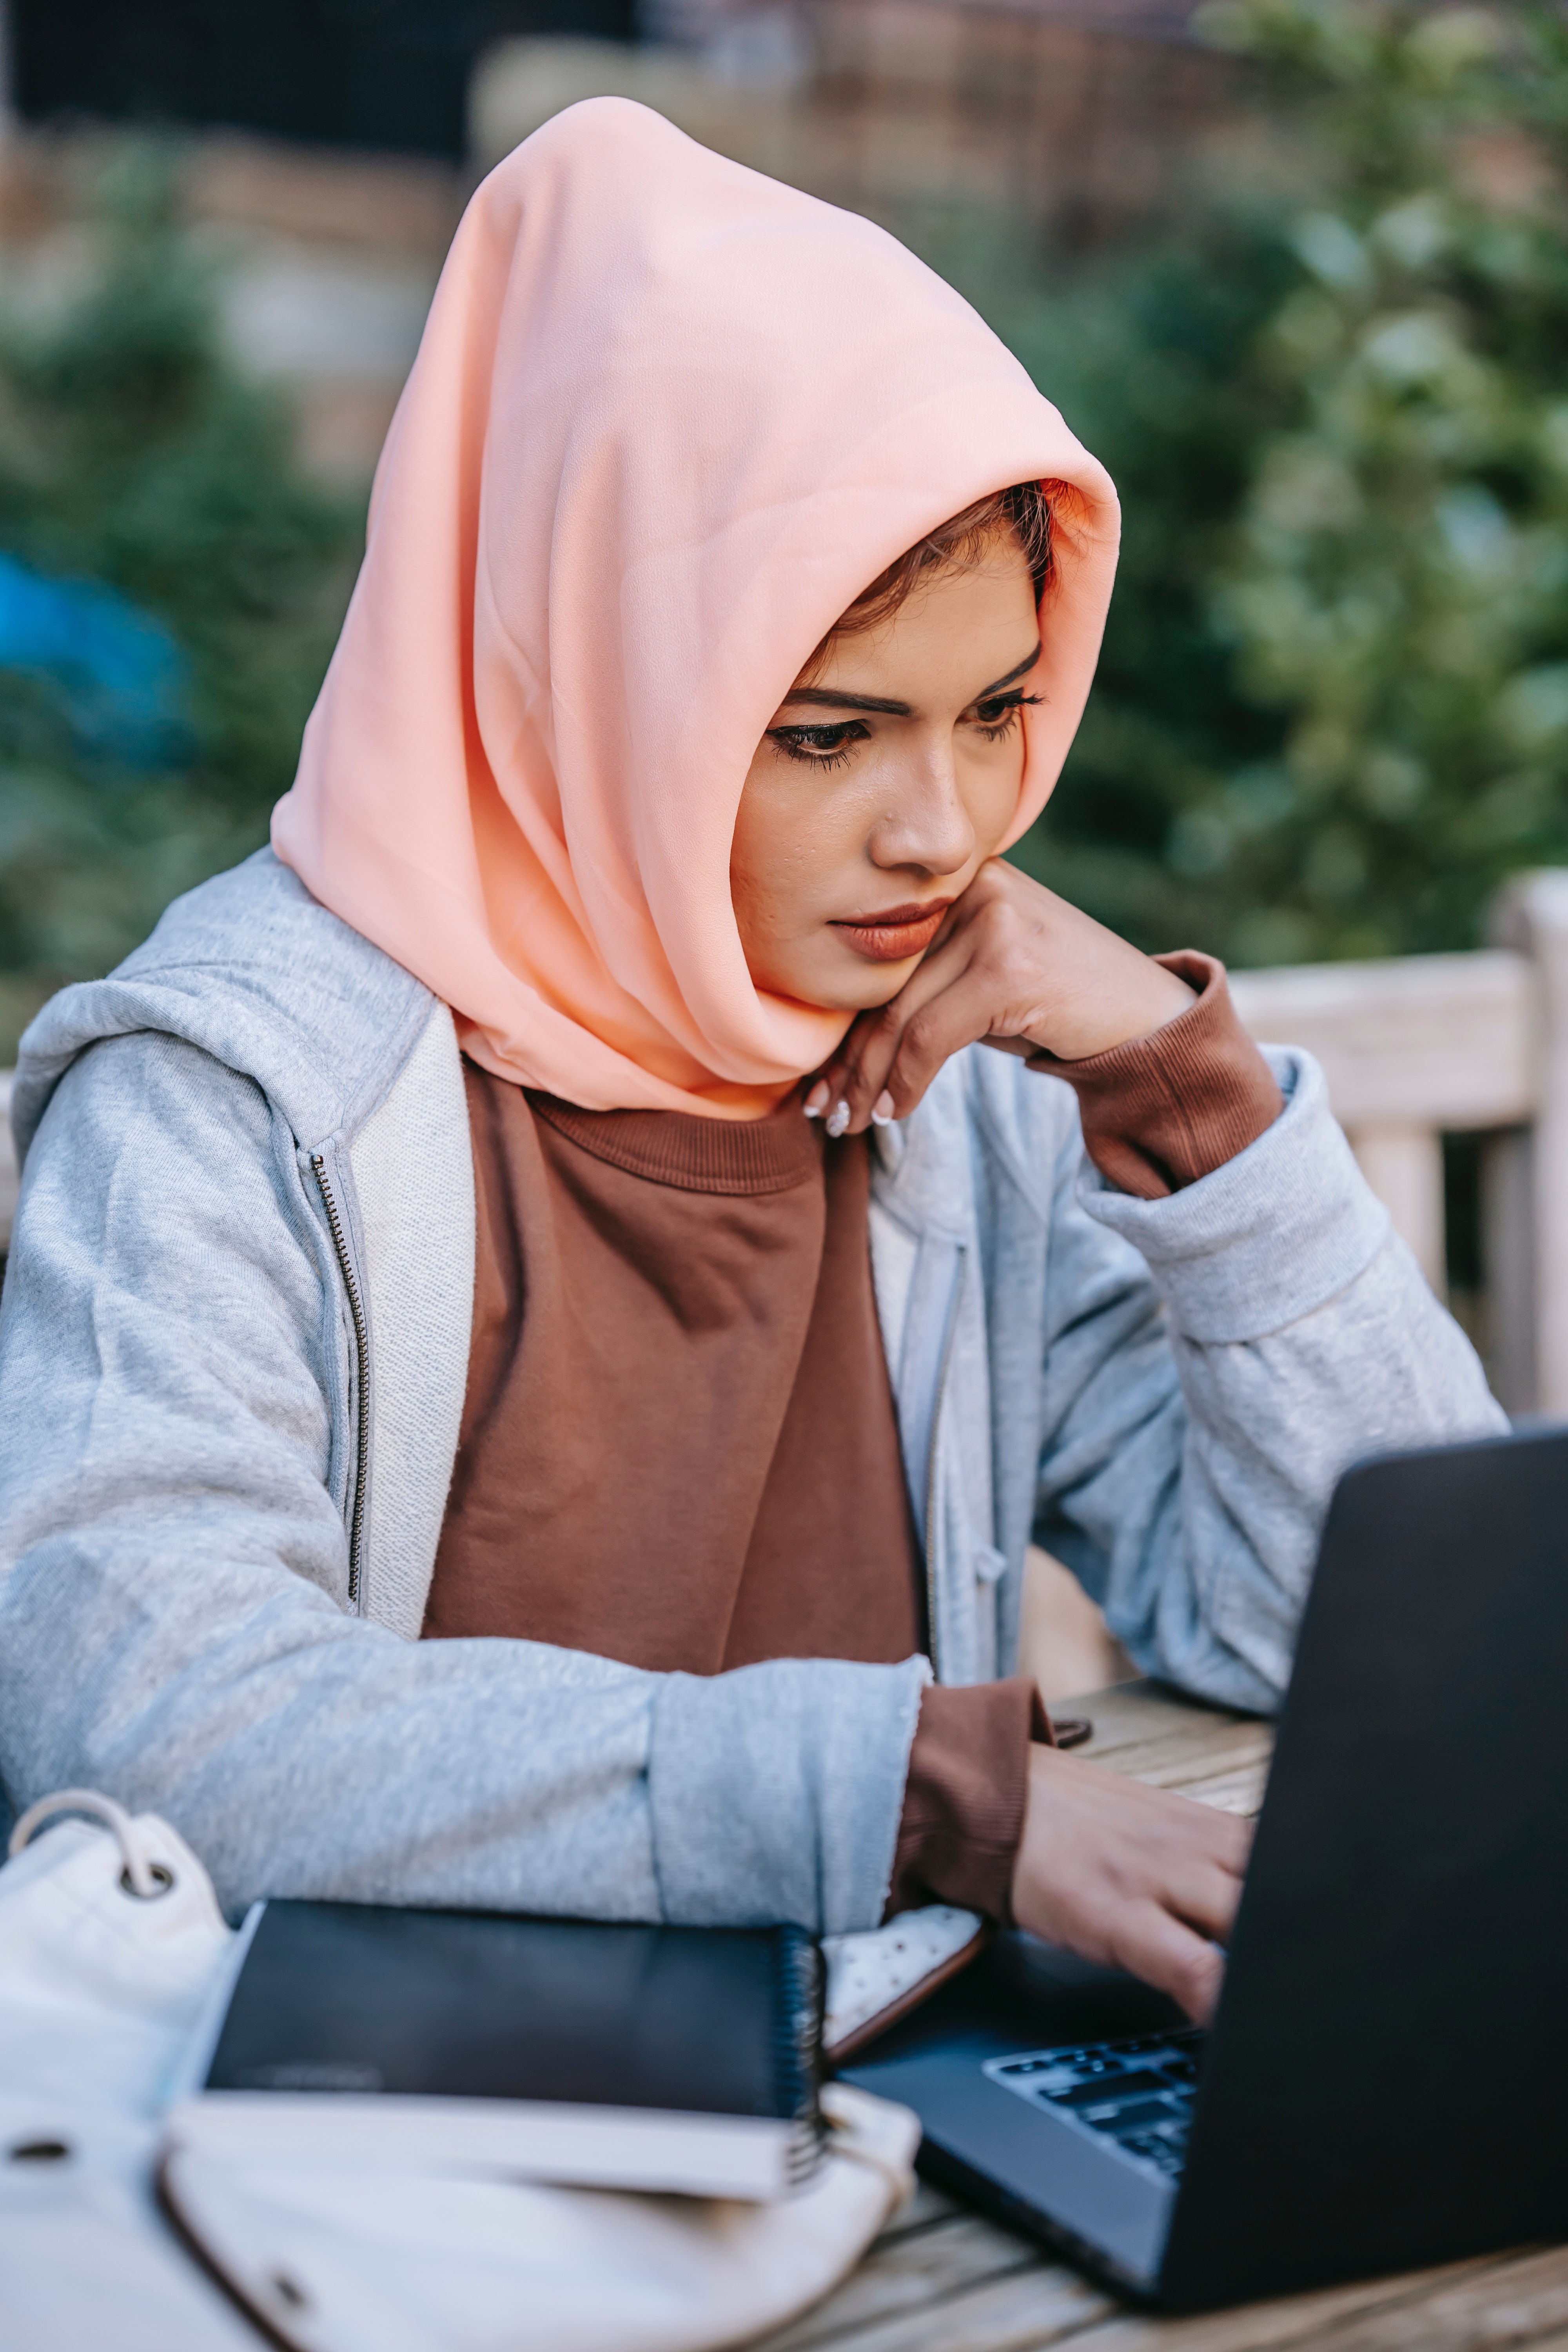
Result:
[[1420, 1046]]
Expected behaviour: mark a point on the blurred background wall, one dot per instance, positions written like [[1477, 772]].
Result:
[[383, 75]]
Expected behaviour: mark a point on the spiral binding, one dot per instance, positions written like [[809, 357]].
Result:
[[800, 1982]]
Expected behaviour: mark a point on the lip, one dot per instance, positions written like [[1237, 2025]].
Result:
[[897, 933]]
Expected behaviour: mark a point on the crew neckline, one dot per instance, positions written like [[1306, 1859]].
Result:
[[695, 1154]]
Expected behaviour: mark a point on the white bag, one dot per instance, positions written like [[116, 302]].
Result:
[[336, 2262], [110, 1941], [100, 1987]]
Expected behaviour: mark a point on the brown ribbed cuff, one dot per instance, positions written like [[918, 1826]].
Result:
[[964, 1798], [1163, 1110]]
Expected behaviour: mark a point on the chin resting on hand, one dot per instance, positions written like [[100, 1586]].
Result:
[[1014, 965]]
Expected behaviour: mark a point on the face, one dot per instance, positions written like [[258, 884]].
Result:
[[881, 788]]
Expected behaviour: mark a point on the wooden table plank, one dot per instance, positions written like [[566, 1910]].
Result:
[[908, 2275], [941, 2279], [1033, 2304], [1130, 1715], [1522, 2299], [927, 2205], [1322, 2318], [1208, 1753]]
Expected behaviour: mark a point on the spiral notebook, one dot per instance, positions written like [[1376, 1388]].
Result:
[[677, 2059]]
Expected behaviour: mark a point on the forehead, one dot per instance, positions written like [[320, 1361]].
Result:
[[977, 618]]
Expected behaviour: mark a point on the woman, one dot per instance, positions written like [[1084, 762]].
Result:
[[560, 1203]]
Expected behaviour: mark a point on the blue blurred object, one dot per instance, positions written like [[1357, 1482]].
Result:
[[124, 674]]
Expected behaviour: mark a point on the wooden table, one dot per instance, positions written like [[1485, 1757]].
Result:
[[941, 2279]]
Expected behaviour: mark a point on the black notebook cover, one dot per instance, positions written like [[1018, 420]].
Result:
[[352, 1998]]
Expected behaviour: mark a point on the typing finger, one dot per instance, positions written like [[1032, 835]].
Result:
[[1205, 1895], [1149, 1944]]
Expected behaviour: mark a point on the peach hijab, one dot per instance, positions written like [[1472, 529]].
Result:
[[667, 419]]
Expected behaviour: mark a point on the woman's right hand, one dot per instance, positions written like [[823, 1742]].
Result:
[[1014, 965], [1134, 1877]]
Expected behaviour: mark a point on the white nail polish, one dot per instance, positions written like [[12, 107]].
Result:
[[880, 1118], [811, 1110], [838, 1119]]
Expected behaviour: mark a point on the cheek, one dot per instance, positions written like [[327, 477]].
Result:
[[990, 781], [794, 836], [753, 844], [771, 870]]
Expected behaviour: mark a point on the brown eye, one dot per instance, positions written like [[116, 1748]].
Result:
[[823, 747], [996, 714]]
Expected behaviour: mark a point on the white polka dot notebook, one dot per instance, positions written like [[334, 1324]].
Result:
[[874, 1979]]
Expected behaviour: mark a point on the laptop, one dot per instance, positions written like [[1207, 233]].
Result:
[[1386, 2084]]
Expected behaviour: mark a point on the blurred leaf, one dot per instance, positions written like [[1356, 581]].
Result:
[[1331, 712], [132, 455]]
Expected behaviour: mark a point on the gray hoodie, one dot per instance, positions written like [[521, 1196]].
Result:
[[233, 1351]]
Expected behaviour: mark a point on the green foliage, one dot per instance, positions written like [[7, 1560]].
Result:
[[1144, 356], [132, 455], [1334, 708]]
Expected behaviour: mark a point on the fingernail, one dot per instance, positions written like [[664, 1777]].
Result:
[[838, 1119], [882, 1109], [816, 1100]]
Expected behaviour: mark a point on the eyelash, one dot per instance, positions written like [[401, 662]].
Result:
[[796, 742], [1007, 705]]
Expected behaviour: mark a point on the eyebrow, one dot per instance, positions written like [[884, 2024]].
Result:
[[821, 698]]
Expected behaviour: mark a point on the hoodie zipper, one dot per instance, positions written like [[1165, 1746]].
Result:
[[361, 1359], [933, 1629]]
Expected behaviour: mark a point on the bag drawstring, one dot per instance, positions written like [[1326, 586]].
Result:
[[141, 1875], [843, 2141]]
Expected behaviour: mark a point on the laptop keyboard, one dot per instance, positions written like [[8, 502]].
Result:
[[1135, 2095]]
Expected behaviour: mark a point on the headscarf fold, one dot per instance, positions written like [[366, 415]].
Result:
[[667, 419]]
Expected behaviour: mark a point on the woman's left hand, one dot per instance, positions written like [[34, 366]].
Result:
[[1013, 965]]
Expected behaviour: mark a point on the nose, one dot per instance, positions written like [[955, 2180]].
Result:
[[925, 823]]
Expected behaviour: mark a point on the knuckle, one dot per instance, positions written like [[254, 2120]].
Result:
[[1199, 1984], [919, 1036]]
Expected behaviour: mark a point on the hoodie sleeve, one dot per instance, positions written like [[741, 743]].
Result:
[[1214, 1356], [172, 1538]]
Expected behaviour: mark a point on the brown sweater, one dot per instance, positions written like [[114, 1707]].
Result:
[[678, 1432], [679, 1444]]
